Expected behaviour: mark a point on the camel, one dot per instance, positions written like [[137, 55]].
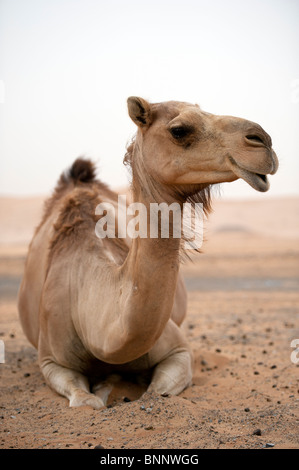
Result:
[[98, 308]]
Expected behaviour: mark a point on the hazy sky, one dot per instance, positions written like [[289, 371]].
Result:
[[68, 66]]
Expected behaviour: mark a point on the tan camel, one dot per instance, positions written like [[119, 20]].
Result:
[[98, 307]]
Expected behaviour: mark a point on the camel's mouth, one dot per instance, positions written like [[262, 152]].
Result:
[[257, 181]]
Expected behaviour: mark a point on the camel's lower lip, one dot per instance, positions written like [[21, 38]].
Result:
[[257, 181]]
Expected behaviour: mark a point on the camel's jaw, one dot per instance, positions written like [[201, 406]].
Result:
[[257, 180]]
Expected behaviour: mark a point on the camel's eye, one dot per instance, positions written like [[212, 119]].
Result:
[[180, 132]]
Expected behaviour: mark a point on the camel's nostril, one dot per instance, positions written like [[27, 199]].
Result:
[[255, 138]]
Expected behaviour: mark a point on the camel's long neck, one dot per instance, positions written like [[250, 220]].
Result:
[[150, 272]]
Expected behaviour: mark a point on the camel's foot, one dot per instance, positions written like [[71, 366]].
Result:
[[172, 375], [82, 398], [71, 384], [103, 389], [173, 362]]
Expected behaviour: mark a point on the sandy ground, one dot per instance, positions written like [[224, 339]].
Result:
[[243, 314]]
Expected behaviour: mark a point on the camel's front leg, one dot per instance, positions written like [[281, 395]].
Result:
[[173, 359], [71, 384]]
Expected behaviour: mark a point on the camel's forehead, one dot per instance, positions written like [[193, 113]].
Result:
[[168, 110]]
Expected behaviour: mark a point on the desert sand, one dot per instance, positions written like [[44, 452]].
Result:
[[243, 313]]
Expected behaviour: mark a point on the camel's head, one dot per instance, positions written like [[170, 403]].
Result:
[[183, 145]]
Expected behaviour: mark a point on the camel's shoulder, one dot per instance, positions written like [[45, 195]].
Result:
[[75, 224], [76, 212]]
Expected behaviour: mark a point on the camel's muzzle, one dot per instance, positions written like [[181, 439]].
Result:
[[256, 179], [255, 158]]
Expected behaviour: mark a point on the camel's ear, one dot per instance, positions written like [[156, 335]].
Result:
[[139, 111]]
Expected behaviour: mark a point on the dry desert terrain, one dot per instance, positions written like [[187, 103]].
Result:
[[243, 314]]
